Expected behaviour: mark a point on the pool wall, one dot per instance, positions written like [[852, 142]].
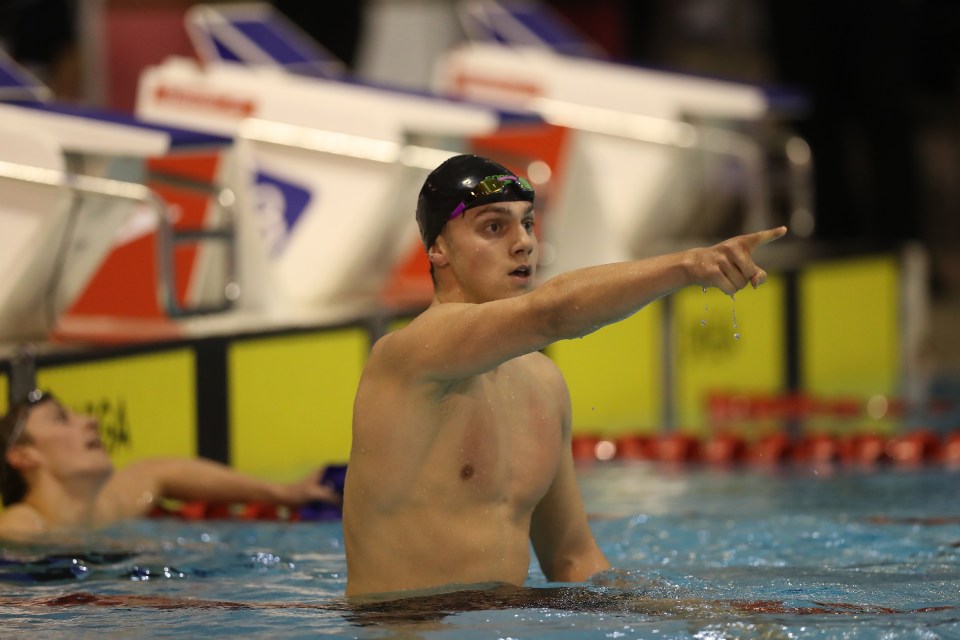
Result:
[[277, 403]]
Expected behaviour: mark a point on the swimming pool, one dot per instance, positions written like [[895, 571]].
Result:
[[703, 552]]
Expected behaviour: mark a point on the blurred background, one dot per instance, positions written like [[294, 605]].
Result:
[[882, 83], [853, 111]]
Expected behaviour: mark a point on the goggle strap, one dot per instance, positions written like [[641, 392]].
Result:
[[486, 188]]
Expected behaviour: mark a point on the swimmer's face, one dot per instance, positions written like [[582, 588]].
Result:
[[64, 442], [492, 250]]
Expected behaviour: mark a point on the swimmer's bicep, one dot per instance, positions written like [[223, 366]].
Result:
[[455, 341]]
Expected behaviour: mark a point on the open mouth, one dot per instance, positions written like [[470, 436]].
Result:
[[96, 443], [521, 272]]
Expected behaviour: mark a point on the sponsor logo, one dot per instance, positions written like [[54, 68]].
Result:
[[467, 84], [199, 99], [279, 205]]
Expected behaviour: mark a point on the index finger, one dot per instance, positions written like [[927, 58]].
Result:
[[760, 238]]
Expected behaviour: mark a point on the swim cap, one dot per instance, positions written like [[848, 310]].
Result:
[[455, 186]]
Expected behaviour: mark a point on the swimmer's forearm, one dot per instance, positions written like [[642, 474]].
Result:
[[578, 567], [576, 303], [200, 479], [579, 302]]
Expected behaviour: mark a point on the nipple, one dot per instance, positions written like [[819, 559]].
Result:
[[466, 472]]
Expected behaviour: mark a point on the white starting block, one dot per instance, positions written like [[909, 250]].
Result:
[[324, 215], [69, 183], [648, 149]]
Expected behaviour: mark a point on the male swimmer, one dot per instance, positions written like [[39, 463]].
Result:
[[461, 430]]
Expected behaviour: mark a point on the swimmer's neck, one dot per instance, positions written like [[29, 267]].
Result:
[[65, 504]]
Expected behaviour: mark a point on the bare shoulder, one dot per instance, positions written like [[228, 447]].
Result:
[[129, 491], [545, 369], [20, 521], [453, 341], [416, 342], [550, 378], [419, 331]]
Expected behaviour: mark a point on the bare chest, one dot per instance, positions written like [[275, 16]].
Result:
[[501, 439]]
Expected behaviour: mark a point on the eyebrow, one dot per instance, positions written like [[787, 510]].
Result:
[[51, 402], [499, 208]]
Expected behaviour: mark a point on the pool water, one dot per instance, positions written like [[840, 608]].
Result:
[[701, 553]]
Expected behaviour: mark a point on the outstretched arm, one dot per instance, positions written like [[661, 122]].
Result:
[[454, 341], [133, 489], [582, 301]]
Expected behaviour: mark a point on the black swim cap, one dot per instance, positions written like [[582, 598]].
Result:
[[454, 183]]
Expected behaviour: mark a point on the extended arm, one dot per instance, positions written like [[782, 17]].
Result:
[[133, 488], [579, 302], [453, 341]]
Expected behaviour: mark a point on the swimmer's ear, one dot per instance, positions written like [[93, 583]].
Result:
[[21, 457], [436, 255]]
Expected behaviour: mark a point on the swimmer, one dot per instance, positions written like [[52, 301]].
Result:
[[56, 476], [461, 453]]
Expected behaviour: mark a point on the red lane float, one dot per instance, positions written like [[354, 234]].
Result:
[[676, 447], [585, 447], [817, 448], [775, 448], [914, 448], [919, 447], [634, 447], [950, 449], [723, 448], [866, 449]]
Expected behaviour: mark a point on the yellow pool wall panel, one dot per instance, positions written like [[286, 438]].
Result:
[[291, 400], [145, 403], [850, 327], [708, 357], [614, 375]]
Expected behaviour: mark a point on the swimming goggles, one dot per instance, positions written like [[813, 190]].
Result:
[[34, 397], [488, 186]]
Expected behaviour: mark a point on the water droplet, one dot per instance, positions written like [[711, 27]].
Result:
[[706, 309], [733, 308]]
